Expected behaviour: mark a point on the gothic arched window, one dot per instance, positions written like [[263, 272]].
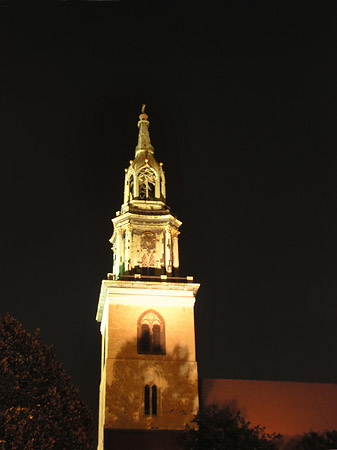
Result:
[[151, 333], [150, 400], [147, 183]]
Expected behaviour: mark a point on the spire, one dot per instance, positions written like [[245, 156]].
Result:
[[144, 141]]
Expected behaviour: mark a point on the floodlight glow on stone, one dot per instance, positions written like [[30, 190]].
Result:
[[146, 309]]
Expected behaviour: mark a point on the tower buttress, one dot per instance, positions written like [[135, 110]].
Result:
[[149, 378]]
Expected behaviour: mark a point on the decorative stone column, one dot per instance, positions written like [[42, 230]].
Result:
[[127, 245], [168, 250], [175, 234]]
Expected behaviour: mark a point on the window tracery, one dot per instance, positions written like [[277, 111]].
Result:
[[151, 333], [147, 183]]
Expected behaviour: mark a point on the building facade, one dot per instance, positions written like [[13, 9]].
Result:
[[149, 378]]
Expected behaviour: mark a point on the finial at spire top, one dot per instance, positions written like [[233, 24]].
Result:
[[143, 115]]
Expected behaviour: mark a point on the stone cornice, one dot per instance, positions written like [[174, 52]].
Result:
[[134, 292]]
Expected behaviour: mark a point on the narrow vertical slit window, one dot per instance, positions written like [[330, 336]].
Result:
[[156, 339], [147, 400], [145, 338], [154, 400]]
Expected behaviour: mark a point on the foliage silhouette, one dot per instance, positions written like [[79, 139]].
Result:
[[39, 406], [128, 374], [225, 429], [318, 441]]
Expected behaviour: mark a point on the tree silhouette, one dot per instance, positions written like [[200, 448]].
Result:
[[318, 441], [128, 373], [224, 429], [39, 406]]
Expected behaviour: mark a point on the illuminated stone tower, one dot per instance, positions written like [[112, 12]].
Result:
[[149, 380]]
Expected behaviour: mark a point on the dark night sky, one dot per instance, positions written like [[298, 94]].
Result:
[[242, 104]]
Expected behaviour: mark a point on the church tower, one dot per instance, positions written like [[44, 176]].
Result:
[[149, 379]]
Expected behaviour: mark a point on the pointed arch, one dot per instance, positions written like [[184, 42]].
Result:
[[151, 333], [150, 400], [129, 193], [146, 183], [152, 391]]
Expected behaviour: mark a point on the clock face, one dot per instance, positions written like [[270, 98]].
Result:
[[148, 240]]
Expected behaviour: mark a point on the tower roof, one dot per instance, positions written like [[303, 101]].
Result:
[[144, 154], [145, 237]]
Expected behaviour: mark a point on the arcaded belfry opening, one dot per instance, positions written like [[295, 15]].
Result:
[[151, 333], [147, 184]]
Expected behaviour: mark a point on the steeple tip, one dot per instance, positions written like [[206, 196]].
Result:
[[144, 142], [143, 115]]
